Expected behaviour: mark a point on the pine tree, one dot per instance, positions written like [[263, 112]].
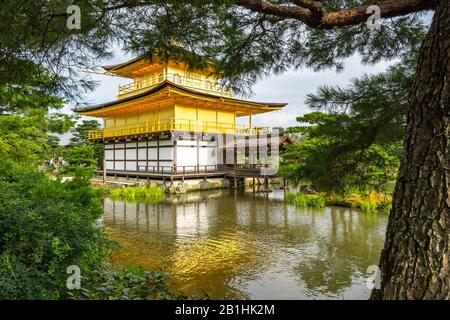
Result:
[[251, 38]]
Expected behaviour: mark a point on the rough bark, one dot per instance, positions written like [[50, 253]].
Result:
[[415, 260]]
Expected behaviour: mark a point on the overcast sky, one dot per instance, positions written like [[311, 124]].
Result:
[[290, 87]]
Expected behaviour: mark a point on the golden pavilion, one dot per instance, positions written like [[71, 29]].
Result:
[[172, 121]]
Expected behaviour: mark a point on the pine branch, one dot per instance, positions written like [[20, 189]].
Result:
[[305, 13]]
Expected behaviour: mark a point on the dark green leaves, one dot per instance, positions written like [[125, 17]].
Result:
[[353, 140]]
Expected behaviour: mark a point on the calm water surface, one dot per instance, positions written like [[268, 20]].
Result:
[[249, 245]]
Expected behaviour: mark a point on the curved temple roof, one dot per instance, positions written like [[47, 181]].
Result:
[[256, 107], [123, 64]]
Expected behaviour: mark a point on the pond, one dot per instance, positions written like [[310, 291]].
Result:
[[245, 245]]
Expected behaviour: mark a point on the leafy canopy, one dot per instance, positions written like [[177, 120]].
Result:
[[246, 39]]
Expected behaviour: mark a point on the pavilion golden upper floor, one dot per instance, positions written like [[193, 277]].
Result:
[[167, 96]]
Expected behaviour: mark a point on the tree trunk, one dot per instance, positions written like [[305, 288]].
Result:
[[415, 259]]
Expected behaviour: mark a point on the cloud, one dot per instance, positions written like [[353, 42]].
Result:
[[293, 86]]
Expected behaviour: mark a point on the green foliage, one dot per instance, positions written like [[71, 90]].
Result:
[[27, 118], [244, 44], [25, 138], [115, 193], [46, 226], [305, 200], [80, 155], [80, 134], [370, 202], [129, 284], [369, 207], [34, 38], [138, 194], [247, 45], [353, 140], [81, 151]]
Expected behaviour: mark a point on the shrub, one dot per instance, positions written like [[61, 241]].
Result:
[[128, 284], [46, 226]]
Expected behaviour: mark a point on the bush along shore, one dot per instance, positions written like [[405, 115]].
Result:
[[370, 202], [49, 225]]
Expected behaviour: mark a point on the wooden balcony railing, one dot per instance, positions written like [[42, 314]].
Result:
[[175, 124], [212, 87]]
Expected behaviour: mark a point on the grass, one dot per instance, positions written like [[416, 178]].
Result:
[[137, 194], [368, 207], [371, 202], [305, 200]]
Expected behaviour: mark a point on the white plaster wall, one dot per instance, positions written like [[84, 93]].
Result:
[[187, 153], [131, 154], [120, 154], [142, 165], [166, 153], [120, 165], [152, 154], [109, 165], [109, 155], [142, 154], [186, 156], [131, 166], [208, 156]]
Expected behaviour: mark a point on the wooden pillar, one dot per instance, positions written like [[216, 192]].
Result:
[[125, 156], [157, 154], [235, 162], [137, 158], [146, 155], [114, 155], [175, 155], [104, 170]]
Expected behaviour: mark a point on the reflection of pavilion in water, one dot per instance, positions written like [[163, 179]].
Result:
[[247, 245], [191, 213]]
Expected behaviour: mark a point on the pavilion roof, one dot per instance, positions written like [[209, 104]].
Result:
[[168, 93]]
